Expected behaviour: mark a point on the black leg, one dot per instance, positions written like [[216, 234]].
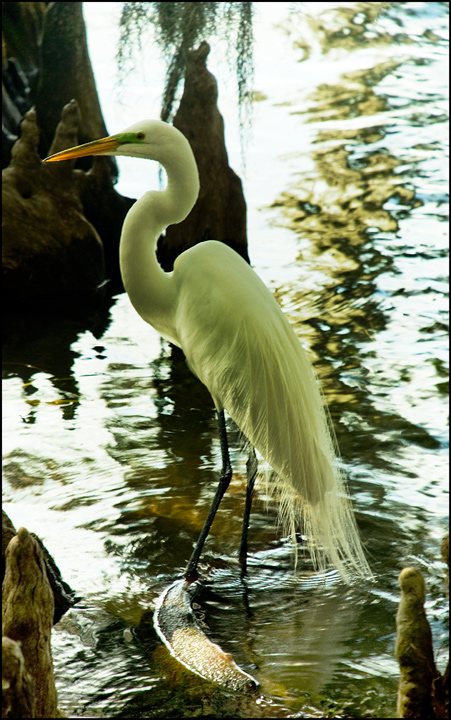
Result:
[[251, 466], [224, 481]]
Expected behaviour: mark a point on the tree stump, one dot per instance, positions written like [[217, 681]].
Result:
[[220, 210], [422, 692], [27, 615]]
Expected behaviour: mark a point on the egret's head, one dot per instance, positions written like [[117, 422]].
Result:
[[150, 139]]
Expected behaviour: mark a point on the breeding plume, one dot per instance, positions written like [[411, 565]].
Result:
[[239, 343]]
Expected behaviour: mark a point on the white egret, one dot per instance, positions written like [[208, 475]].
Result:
[[239, 343]]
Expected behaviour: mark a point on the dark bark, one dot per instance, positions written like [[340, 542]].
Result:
[[422, 691], [27, 615], [220, 210]]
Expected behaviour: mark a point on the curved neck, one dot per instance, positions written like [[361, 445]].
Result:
[[150, 289]]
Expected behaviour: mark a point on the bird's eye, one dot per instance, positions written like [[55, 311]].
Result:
[[140, 136]]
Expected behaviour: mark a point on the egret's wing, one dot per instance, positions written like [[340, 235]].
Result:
[[242, 347]]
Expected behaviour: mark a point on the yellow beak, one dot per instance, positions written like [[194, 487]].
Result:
[[104, 146]]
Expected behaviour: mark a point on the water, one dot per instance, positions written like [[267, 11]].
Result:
[[110, 445]]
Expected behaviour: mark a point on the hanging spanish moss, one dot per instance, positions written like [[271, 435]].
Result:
[[178, 27]]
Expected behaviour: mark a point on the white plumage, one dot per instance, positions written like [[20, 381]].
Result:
[[239, 344]]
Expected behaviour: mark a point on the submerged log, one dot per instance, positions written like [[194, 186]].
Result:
[[27, 615], [178, 628]]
